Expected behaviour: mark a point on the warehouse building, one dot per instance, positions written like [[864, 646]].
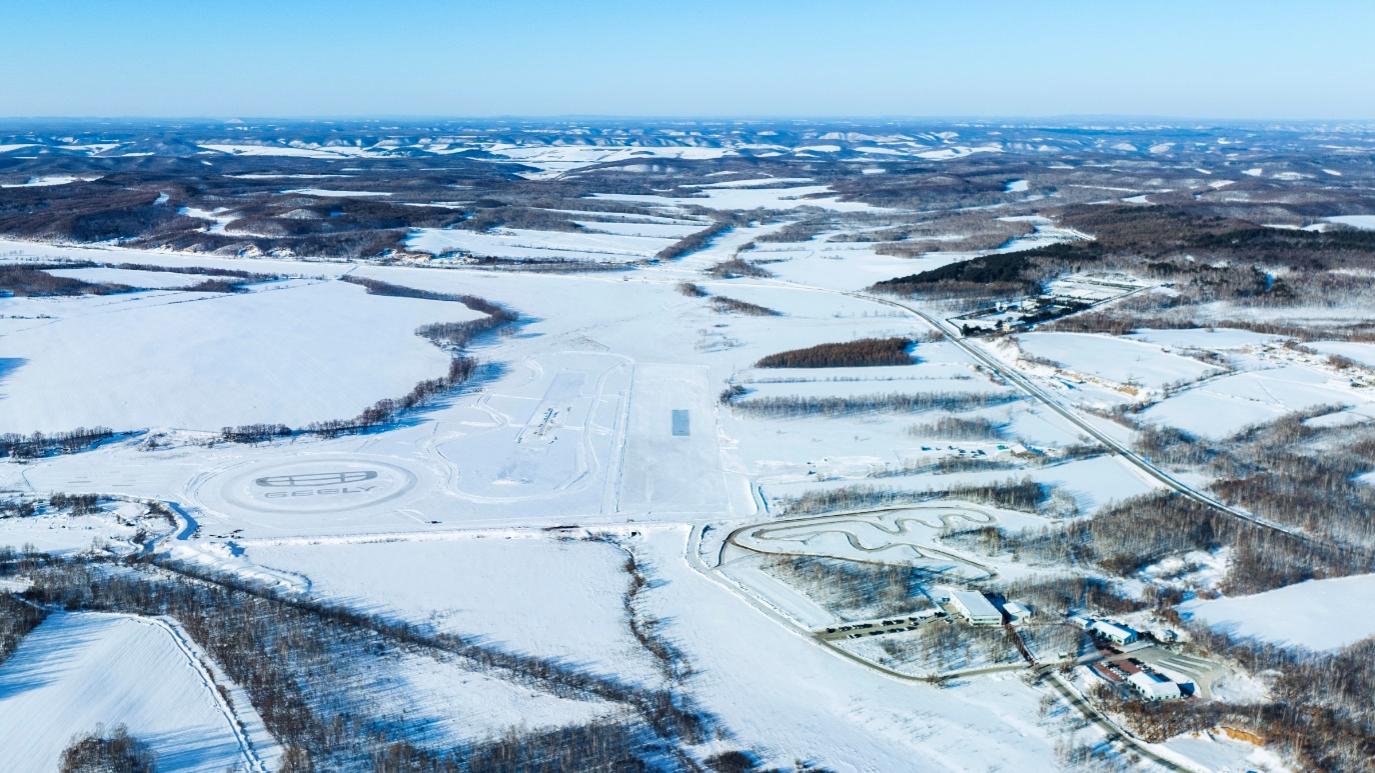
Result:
[[1154, 687], [1117, 634], [975, 607]]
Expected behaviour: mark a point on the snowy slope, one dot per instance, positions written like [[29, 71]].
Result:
[[77, 670]]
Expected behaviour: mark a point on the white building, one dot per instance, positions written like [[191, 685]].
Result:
[[1081, 621], [1016, 611], [1118, 634], [1154, 687], [975, 607]]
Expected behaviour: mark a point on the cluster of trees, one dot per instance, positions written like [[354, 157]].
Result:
[[738, 267], [727, 305], [861, 352], [75, 504], [299, 658], [692, 290], [938, 647], [482, 305], [28, 281], [386, 410], [1140, 531], [39, 444], [957, 428], [1300, 483], [793, 406], [992, 275], [255, 433], [113, 752], [1012, 494], [853, 590], [693, 241], [979, 232], [17, 618], [646, 629]]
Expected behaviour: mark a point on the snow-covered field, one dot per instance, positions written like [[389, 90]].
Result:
[[525, 244], [1221, 407], [287, 352], [601, 413], [1320, 615], [1114, 359], [80, 670], [538, 595], [131, 277]]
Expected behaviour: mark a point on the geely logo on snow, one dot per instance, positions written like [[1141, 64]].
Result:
[[316, 479]]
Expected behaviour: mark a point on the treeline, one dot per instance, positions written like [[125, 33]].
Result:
[[297, 659], [17, 618], [863, 352], [793, 406], [75, 504], [38, 444], [28, 281], [957, 428], [727, 305], [451, 336], [1002, 274], [1140, 531], [1024, 494], [481, 305], [693, 241], [737, 267]]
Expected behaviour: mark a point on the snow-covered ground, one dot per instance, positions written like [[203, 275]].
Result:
[[1320, 615], [153, 280], [1221, 407], [287, 352], [1114, 359], [526, 244], [80, 670], [536, 595]]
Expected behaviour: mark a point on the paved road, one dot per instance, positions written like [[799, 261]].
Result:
[[1113, 731], [1025, 384]]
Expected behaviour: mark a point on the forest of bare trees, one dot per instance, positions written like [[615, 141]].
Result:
[[296, 659], [862, 352], [40, 444], [794, 406]]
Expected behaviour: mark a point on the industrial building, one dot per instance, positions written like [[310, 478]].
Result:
[[1154, 687], [975, 607], [1117, 634]]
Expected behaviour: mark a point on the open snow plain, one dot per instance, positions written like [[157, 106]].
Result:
[[599, 411], [581, 451]]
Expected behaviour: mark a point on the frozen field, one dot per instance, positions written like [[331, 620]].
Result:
[[1320, 615], [1359, 352], [285, 353], [155, 280], [1116, 360], [77, 670], [537, 595], [1222, 407], [526, 244]]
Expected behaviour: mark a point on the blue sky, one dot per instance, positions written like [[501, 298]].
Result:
[[1217, 59]]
